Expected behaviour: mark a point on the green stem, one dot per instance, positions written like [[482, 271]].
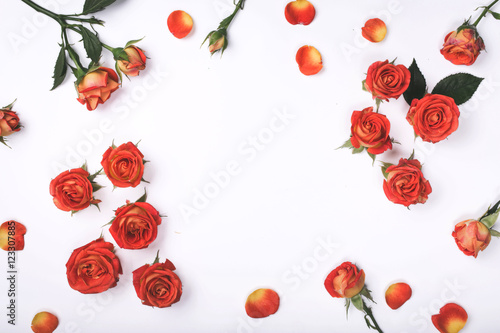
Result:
[[491, 210], [225, 23], [107, 47], [369, 313], [72, 54], [485, 11], [44, 11]]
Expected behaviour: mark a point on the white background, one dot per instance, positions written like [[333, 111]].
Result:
[[268, 224]]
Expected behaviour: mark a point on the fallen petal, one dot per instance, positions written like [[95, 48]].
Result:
[[262, 303]]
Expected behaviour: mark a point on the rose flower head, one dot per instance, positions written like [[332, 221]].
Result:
[[135, 225], [371, 131], [123, 165], [217, 41], [93, 268], [157, 285], [9, 122], [385, 80], [96, 86], [471, 237], [345, 281], [463, 46], [131, 60]]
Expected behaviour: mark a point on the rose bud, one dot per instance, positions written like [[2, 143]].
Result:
[[73, 190], [434, 117], [370, 130], [12, 236], [135, 225], [451, 318], [309, 60], [179, 23], [300, 12], [157, 285], [123, 165], [405, 183], [345, 281], [136, 61], [217, 41], [9, 122], [374, 30], [385, 80], [397, 294], [93, 268], [462, 47], [262, 303], [471, 237], [96, 87], [44, 322]]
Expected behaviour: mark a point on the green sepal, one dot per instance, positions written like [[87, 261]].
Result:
[[92, 176], [157, 259], [109, 223], [74, 212], [490, 217], [358, 150], [113, 144], [418, 87], [134, 41], [9, 107], [94, 6], [84, 166], [119, 54], [60, 68], [97, 205], [494, 233], [3, 140], [461, 87], [412, 155], [377, 103], [357, 301], [394, 61], [346, 144], [363, 85], [144, 197], [347, 305], [373, 156], [144, 180], [119, 72], [145, 161], [384, 168], [366, 292]]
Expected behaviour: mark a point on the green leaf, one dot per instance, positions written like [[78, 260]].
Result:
[[357, 301], [60, 68], [494, 233], [91, 43], [134, 41], [417, 87], [495, 15], [346, 144], [144, 197], [460, 87], [93, 6], [358, 150], [385, 166]]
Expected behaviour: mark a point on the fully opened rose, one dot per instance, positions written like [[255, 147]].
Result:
[[123, 165], [385, 80], [371, 131], [96, 87], [462, 47], [157, 285], [93, 268]]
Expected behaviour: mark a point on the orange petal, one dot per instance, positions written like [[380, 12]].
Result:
[[12, 236], [374, 30], [300, 12], [262, 303], [309, 60], [44, 322], [397, 294], [451, 318], [179, 23]]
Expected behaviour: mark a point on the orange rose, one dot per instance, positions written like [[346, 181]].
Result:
[[72, 190], [93, 268], [371, 130], [12, 236], [405, 184], [385, 80], [136, 61], [157, 284], [434, 117], [345, 281], [124, 165], [135, 225], [96, 87], [471, 237], [462, 47], [9, 122]]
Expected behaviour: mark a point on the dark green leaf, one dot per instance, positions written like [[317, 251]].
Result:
[[417, 87], [144, 197], [93, 6], [60, 68], [91, 44], [495, 15], [460, 87]]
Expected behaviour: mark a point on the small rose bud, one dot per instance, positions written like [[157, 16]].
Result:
[[471, 237], [136, 61], [462, 47], [217, 41]]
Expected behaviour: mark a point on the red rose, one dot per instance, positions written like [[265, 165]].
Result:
[[136, 61], [156, 285], [471, 237], [72, 190], [9, 122], [12, 236], [345, 281], [463, 47], [371, 130], [123, 165], [433, 117], [385, 80], [405, 183], [96, 87], [135, 225], [93, 268]]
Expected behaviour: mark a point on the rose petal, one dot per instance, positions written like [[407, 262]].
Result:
[[374, 30], [44, 322], [451, 318], [180, 23], [397, 294], [262, 303], [309, 60], [300, 12]]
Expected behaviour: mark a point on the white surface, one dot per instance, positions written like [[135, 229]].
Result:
[[195, 114]]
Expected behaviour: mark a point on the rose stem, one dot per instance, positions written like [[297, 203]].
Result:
[[225, 23], [485, 11], [369, 313]]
